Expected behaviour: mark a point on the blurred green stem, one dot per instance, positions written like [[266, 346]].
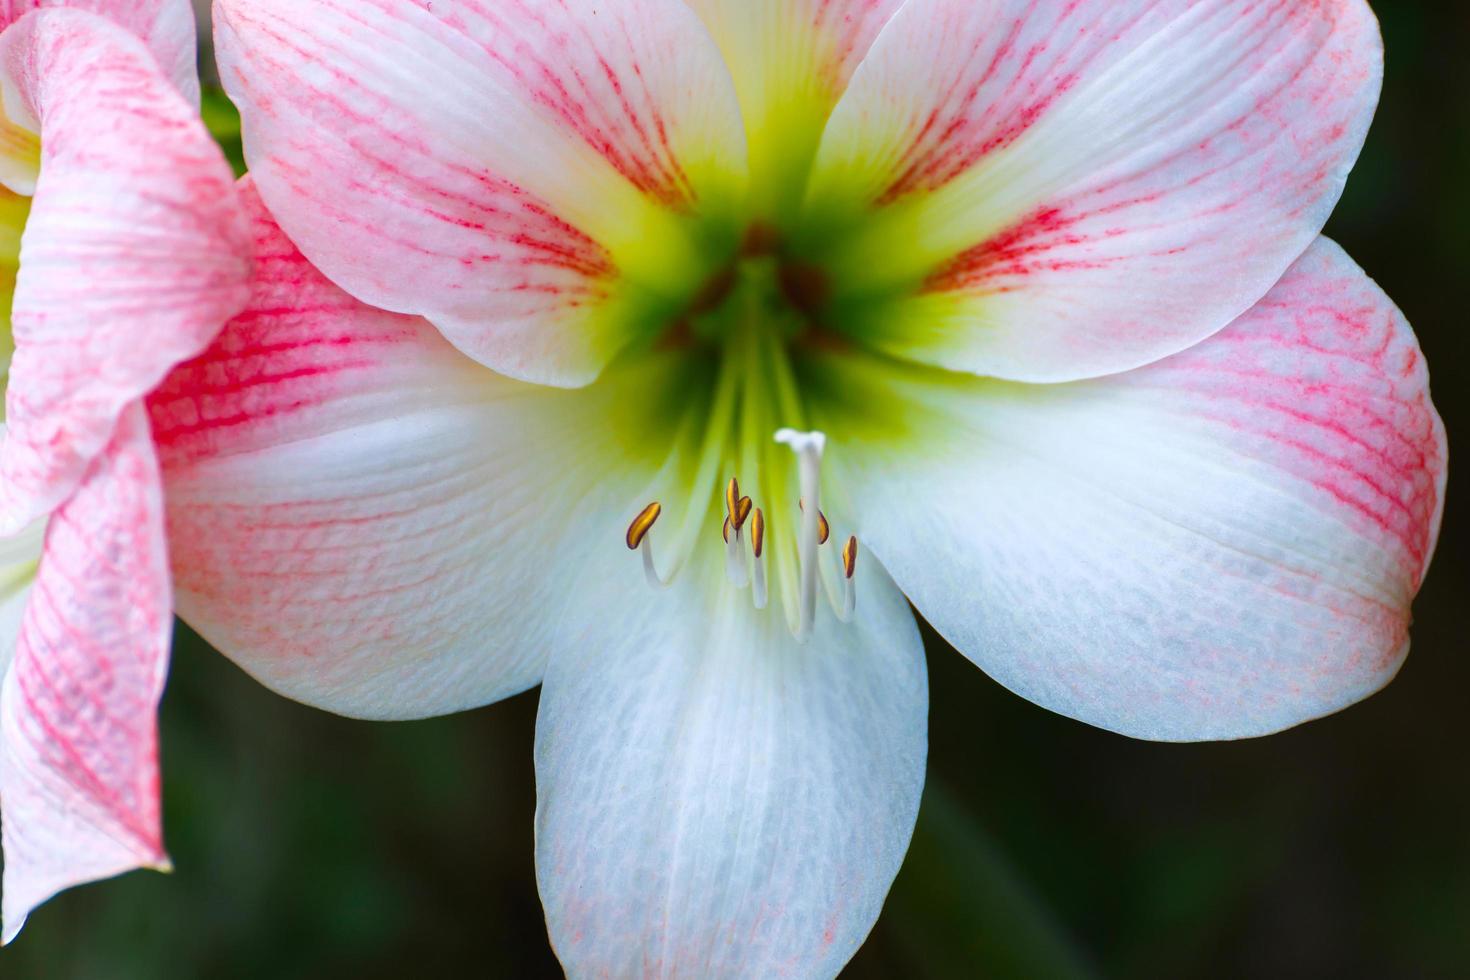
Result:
[[960, 909]]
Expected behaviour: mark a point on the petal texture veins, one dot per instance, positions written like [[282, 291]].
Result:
[[79, 781], [513, 171], [1085, 186], [166, 26], [135, 252], [1223, 544], [363, 517], [716, 799]]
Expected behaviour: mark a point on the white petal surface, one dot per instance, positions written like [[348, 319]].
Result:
[[79, 783], [511, 170], [134, 255], [1220, 545], [366, 519], [1084, 186], [715, 799]]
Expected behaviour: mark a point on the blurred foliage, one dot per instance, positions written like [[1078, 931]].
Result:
[[223, 121], [311, 846]]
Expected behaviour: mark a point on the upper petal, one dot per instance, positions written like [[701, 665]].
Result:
[[79, 784], [1223, 544], [791, 61], [166, 26], [520, 173], [134, 256], [1084, 187], [366, 519], [716, 799]]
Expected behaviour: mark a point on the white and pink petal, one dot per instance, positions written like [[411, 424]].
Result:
[[369, 521], [166, 26], [1084, 186], [79, 781], [521, 174], [1220, 545], [135, 251]]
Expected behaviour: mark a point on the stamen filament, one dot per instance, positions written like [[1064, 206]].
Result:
[[649, 571], [735, 568], [758, 566], [849, 567], [640, 539]]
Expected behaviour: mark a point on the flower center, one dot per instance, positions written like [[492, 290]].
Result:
[[755, 477]]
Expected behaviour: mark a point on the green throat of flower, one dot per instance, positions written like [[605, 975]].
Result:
[[750, 471]]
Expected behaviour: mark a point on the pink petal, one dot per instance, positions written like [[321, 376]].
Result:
[[166, 26], [135, 252], [78, 742], [1222, 544], [1086, 185], [517, 172], [366, 519]]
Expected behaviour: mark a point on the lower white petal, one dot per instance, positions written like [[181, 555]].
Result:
[[715, 798]]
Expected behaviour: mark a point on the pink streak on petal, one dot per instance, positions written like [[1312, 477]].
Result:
[[1325, 379], [454, 160], [1222, 544], [79, 782], [341, 520], [303, 358], [135, 255], [1139, 172]]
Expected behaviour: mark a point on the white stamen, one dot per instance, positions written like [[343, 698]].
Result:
[[835, 599], [808, 447], [735, 567], [849, 573], [649, 571], [639, 533], [758, 580]]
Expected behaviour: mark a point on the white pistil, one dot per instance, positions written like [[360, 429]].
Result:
[[808, 447]]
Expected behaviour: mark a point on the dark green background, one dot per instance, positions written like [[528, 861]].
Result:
[[310, 846]]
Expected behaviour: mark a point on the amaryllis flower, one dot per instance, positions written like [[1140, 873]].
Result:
[[124, 249], [1017, 309]]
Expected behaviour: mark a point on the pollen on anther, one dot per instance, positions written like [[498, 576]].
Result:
[[642, 523], [742, 512], [732, 497], [849, 557], [824, 530], [758, 532], [726, 532]]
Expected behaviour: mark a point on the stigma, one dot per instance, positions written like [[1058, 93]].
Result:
[[749, 551]]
